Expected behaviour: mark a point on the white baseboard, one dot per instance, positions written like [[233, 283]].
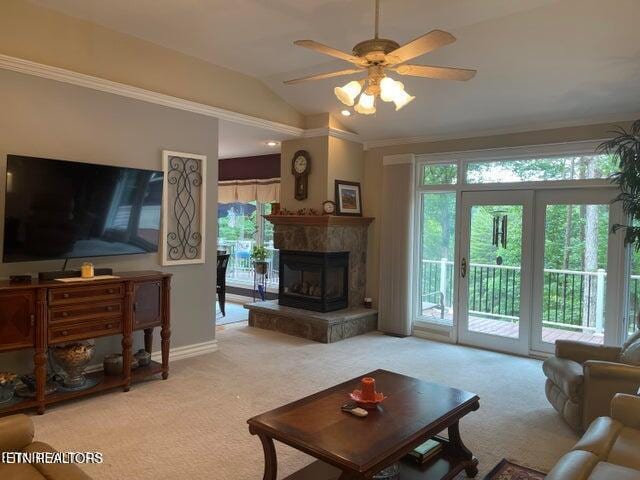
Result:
[[188, 351], [175, 354]]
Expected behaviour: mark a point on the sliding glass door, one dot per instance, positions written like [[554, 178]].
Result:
[[495, 270]]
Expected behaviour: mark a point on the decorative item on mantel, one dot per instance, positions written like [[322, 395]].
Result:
[[348, 198], [183, 208]]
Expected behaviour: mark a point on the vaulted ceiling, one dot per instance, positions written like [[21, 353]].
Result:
[[541, 63]]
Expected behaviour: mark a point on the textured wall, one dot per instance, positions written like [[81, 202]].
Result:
[[46, 36], [55, 120]]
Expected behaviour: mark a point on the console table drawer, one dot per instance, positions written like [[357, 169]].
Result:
[[80, 331], [85, 311], [66, 296]]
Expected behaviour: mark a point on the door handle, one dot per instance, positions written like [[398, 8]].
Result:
[[463, 268]]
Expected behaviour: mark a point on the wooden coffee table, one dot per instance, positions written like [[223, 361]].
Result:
[[348, 447]]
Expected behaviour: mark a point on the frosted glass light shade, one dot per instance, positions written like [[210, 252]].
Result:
[[366, 104], [389, 89], [349, 92], [402, 98]]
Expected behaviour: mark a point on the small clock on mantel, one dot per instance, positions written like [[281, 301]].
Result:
[[300, 168], [329, 207]]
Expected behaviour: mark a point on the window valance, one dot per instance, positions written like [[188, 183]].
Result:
[[244, 191]]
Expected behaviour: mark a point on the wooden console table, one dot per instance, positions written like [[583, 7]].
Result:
[[41, 314]]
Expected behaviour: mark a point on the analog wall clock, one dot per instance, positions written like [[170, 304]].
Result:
[[300, 168]]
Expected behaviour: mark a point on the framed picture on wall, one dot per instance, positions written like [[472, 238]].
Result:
[[348, 198]]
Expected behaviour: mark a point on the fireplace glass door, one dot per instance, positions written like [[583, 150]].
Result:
[[314, 280]]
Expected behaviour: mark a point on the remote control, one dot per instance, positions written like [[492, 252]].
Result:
[[354, 410]]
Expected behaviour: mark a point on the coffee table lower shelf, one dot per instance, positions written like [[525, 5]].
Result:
[[443, 467]]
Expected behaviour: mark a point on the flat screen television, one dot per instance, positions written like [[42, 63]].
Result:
[[55, 209]]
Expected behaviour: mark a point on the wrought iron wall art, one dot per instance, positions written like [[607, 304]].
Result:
[[183, 207]]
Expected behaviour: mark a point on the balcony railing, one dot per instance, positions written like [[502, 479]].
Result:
[[240, 267], [572, 300]]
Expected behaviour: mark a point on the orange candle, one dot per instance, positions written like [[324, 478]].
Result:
[[368, 388]]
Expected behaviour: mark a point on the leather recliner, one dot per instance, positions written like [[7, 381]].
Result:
[[583, 378], [609, 450], [16, 435]]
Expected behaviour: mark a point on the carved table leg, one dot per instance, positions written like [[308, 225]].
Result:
[[165, 331], [270, 458], [455, 442], [40, 356], [148, 339], [40, 363], [127, 337]]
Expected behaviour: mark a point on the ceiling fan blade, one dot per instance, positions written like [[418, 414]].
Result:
[[421, 45], [321, 48], [441, 73], [320, 76]]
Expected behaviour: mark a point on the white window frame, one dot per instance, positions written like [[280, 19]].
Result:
[[462, 159]]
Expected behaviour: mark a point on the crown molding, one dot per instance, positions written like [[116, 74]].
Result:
[[332, 132], [96, 83], [400, 159]]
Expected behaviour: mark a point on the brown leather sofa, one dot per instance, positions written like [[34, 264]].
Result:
[[609, 450], [583, 378], [16, 435]]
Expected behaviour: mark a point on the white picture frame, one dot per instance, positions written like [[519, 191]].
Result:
[[183, 208]]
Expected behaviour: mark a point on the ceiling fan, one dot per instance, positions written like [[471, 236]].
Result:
[[378, 55]]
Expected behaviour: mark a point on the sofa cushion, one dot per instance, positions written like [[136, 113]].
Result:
[[600, 437], [19, 471], [610, 471], [626, 449], [631, 351], [575, 465], [55, 471], [566, 374], [16, 432]]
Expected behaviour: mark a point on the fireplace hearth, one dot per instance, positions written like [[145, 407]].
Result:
[[316, 281]]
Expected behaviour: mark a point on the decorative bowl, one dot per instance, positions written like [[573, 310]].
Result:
[[73, 358], [112, 364], [143, 357], [7, 386], [356, 396]]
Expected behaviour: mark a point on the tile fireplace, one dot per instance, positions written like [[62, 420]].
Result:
[[316, 281]]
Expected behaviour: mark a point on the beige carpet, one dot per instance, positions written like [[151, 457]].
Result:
[[192, 426]]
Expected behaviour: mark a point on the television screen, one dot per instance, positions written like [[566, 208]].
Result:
[[56, 209]]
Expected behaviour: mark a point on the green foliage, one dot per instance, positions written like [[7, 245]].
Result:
[[439, 174], [259, 253], [625, 147]]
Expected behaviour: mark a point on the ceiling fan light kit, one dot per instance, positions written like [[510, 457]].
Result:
[[377, 55], [349, 92]]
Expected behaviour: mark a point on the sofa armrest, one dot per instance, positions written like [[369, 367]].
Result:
[[621, 372], [626, 409], [602, 381], [16, 433], [581, 352]]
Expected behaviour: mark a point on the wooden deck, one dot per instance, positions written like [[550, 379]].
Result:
[[550, 335]]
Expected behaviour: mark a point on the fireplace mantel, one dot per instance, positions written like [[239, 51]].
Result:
[[318, 220]]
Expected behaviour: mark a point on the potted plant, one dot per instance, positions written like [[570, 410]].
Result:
[[259, 256], [625, 147]]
